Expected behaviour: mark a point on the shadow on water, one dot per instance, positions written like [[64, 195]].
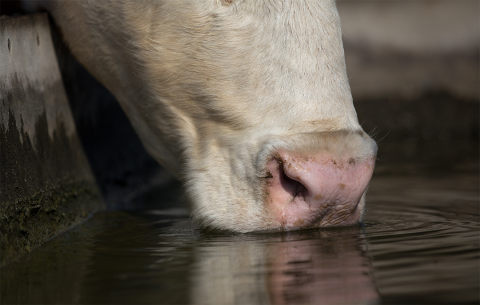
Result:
[[419, 245]]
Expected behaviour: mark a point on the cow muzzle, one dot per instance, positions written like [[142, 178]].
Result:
[[319, 190]]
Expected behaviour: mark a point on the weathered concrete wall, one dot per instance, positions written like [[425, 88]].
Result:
[[46, 182], [413, 66], [406, 47]]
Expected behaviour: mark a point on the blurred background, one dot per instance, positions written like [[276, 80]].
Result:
[[414, 72]]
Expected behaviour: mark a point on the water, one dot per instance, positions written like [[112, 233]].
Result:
[[419, 245]]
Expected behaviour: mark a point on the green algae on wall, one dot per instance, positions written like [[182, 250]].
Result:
[[46, 184]]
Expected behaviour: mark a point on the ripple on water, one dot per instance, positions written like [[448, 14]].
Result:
[[422, 253], [409, 251]]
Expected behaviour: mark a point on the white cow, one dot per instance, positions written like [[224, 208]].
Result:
[[245, 101]]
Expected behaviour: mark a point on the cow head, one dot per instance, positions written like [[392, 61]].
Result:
[[246, 101]]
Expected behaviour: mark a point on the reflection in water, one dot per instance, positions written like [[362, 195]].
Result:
[[313, 267], [421, 233], [320, 271]]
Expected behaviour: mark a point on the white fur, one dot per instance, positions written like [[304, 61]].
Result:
[[214, 87]]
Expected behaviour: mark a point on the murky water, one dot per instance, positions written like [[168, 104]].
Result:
[[419, 245]]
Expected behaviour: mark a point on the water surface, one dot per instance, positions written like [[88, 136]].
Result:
[[419, 244]]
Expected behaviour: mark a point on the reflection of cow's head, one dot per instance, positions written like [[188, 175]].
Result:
[[320, 271], [247, 102], [308, 267]]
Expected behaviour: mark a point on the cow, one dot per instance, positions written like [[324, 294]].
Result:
[[247, 102]]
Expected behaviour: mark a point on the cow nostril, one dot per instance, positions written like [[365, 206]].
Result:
[[291, 185]]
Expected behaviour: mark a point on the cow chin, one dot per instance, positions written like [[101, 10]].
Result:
[[302, 181]]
